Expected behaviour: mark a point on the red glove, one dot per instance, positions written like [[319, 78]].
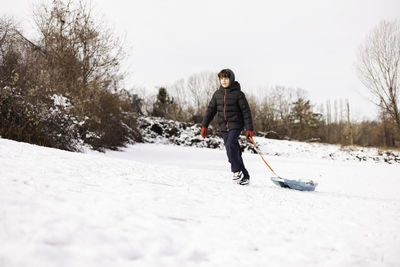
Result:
[[203, 131], [249, 133]]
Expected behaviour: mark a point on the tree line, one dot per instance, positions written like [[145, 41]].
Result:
[[278, 112]]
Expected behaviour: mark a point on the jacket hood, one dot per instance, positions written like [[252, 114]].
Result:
[[232, 77]]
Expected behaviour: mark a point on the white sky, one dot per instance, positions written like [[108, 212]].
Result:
[[308, 44]]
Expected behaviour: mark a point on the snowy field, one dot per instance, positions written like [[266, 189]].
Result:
[[164, 205]]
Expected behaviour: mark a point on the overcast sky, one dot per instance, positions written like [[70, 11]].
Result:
[[308, 44]]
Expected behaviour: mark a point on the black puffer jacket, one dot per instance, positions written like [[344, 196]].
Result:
[[232, 107]]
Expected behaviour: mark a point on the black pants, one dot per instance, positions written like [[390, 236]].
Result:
[[233, 151]]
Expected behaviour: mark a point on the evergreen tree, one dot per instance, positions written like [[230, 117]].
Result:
[[304, 122], [163, 103]]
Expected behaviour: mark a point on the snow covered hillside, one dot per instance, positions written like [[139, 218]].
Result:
[[166, 205], [158, 130]]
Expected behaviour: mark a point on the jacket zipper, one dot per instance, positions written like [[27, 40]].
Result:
[[227, 125]]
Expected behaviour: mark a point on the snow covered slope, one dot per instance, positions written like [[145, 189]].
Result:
[[164, 205], [162, 131]]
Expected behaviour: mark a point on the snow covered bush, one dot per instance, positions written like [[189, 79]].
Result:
[[159, 130], [63, 89]]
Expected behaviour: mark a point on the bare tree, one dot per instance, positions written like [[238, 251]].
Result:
[[349, 131], [9, 46], [82, 59], [201, 86], [7, 29], [193, 95], [85, 53], [378, 67]]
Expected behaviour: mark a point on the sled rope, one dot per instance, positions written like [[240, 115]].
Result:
[[254, 143]]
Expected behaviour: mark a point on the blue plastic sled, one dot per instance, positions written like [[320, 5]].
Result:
[[302, 185]]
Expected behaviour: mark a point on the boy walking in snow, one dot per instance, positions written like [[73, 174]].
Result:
[[233, 115]]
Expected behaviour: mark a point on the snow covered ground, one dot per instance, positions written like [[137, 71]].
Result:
[[165, 205], [162, 131]]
